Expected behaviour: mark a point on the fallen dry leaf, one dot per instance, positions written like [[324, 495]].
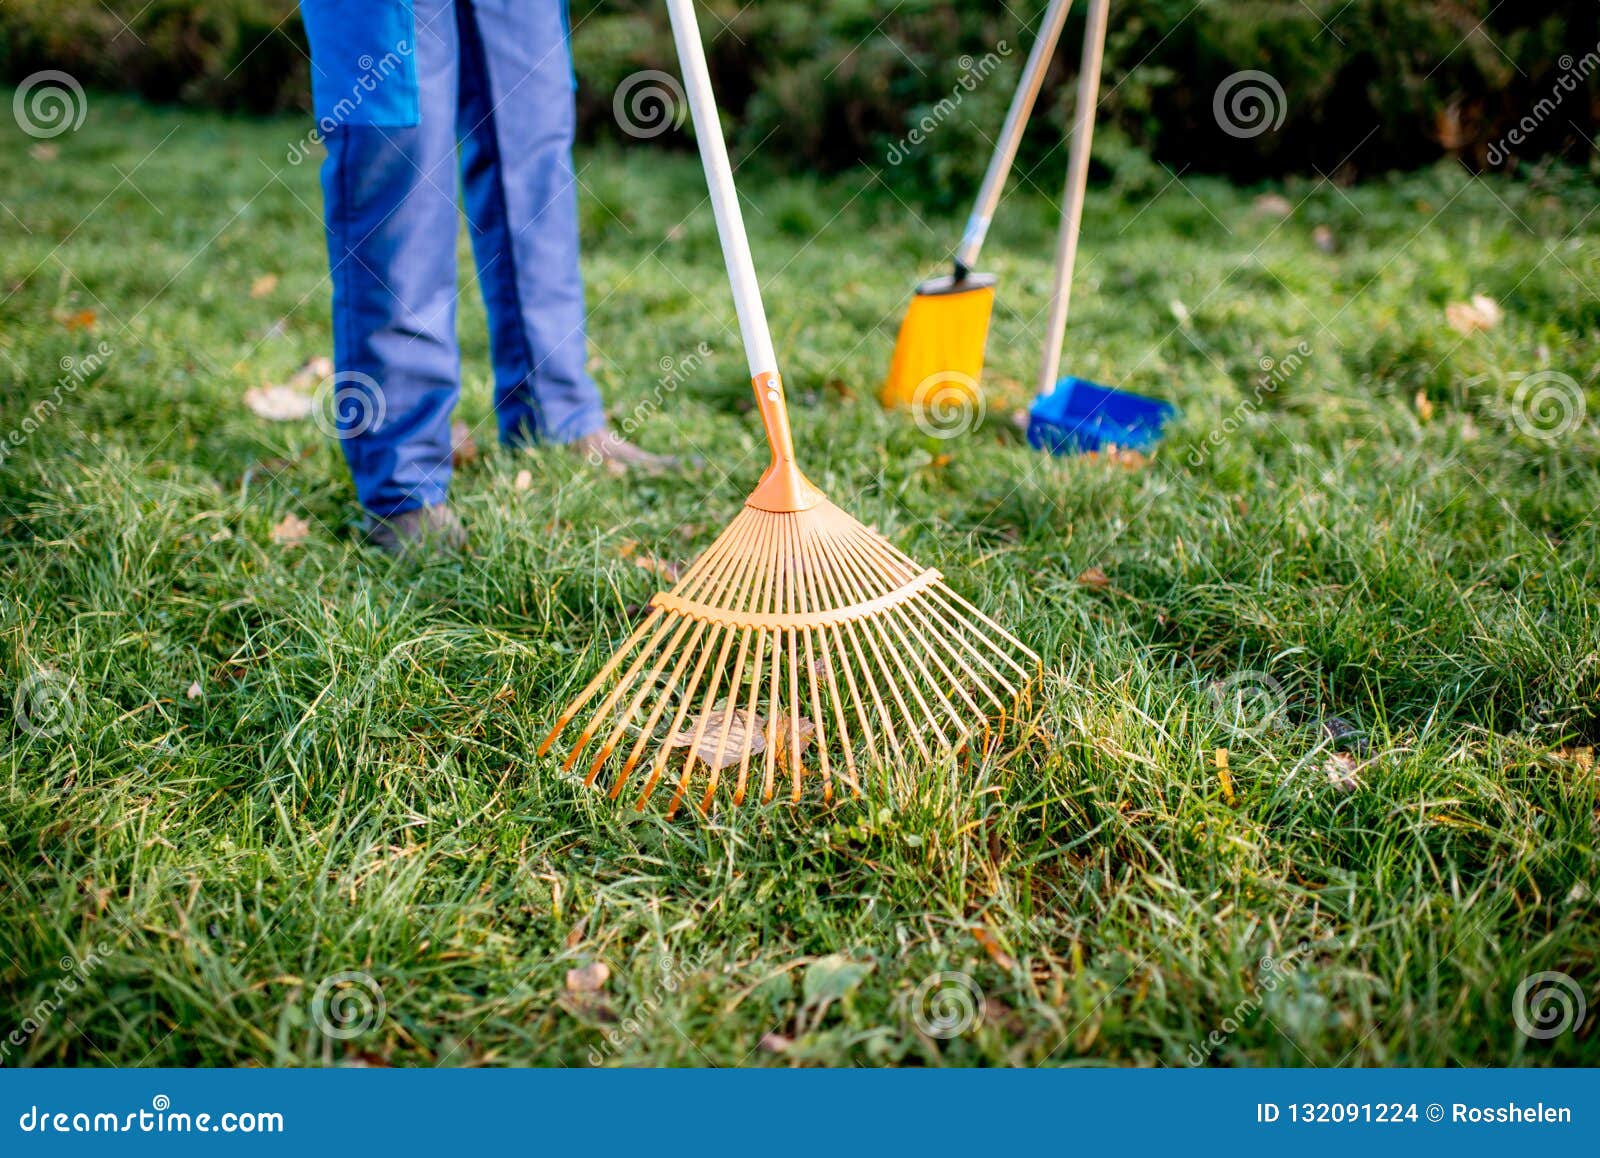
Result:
[[263, 285], [194, 691], [774, 1043], [806, 730], [1322, 237], [941, 461], [291, 531], [463, 447], [1424, 406], [44, 151], [278, 403], [523, 481], [1341, 770], [665, 568], [590, 978], [1481, 313], [1582, 757], [1126, 459], [1224, 776], [743, 735], [314, 370], [991, 946], [80, 320], [1095, 578], [1274, 205]]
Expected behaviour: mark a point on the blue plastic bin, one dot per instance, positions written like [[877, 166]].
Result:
[[1079, 417]]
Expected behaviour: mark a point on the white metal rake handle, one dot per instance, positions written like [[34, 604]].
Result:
[[1005, 150], [1094, 46], [782, 487]]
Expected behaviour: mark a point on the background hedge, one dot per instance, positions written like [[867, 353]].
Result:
[[1369, 84]]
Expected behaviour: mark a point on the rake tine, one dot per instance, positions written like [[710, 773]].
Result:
[[692, 582], [961, 629], [955, 630], [828, 575], [792, 603], [894, 687], [746, 600], [727, 722], [663, 698], [724, 579], [769, 758], [598, 682], [623, 684], [916, 656], [818, 708], [996, 628], [746, 569], [755, 677], [633, 707], [900, 617], [833, 684], [955, 637]]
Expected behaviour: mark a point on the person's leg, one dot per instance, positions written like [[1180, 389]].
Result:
[[385, 74], [516, 120]]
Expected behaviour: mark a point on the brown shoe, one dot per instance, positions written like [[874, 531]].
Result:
[[618, 456], [431, 532]]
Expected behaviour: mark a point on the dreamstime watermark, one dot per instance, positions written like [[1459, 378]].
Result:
[[348, 404], [75, 972], [1573, 75], [46, 704], [973, 74], [1249, 703], [1271, 973], [374, 72], [1274, 373], [947, 1005], [1548, 405], [160, 1118], [1547, 1005], [49, 103], [673, 971], [348, 1004], [75, 371], [947, 404], [648, 103], [1249, 103], [674, 373]]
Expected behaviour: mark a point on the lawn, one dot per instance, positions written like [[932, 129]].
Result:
[[277, 803]]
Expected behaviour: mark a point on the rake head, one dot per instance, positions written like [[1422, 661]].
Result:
[[800, 645]]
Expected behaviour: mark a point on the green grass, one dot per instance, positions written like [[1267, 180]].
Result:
[[353, 787]]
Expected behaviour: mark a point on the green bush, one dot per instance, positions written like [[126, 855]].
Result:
[[245, 55], [1367, 85]]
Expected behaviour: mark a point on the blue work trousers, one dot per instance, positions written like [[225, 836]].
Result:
[[408, 93]]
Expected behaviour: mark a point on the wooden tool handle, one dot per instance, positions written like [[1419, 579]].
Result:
[[1094, 46], [757, 337], [1005, 150]]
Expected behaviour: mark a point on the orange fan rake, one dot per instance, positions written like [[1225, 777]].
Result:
[[800, 642]]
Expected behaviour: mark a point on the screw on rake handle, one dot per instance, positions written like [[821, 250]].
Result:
[[782, 487]]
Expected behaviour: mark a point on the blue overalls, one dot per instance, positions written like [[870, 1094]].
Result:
[[399, 86]]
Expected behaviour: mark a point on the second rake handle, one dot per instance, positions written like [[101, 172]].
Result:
[[1094, 46]]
